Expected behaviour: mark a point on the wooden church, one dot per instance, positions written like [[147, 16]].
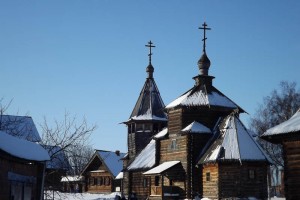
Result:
[[202, 149]]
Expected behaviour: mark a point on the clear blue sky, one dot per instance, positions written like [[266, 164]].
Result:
[[88, 57]]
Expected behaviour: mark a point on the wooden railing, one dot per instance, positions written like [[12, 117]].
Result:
[[158, 191]]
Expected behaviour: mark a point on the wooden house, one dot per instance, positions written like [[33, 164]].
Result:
[[72, 184], [234, 160], [147, 119], [288, 134], [22, 168], [193, 125], [101, 171]]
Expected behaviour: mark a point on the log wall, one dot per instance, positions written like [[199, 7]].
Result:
[[21, 167], [292, 169]]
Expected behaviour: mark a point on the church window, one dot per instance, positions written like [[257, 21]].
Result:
[[139, 127], [145, 182], [148, 127], [207, 176], [173, 144], [132, 128]]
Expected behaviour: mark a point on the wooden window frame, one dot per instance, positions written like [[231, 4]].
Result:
[[207, 176]]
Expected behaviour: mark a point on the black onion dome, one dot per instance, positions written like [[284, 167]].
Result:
[[204, 64]]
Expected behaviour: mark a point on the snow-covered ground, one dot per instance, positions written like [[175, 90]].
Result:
[[81, 196], [112, 196]]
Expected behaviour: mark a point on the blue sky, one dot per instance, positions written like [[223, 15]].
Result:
[[88, 57]]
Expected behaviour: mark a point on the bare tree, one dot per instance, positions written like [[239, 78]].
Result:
[[67, 142], [276, 108]]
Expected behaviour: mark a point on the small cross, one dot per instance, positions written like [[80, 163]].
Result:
[[204, 38], [150, 52]]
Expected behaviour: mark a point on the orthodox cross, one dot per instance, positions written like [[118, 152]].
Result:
[[150, 52], [204, 37]]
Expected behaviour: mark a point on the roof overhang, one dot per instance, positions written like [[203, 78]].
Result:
[[160, 169]]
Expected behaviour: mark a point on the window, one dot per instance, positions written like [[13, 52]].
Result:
[[91, 181], [251, 174], [145, 182], [148, 127], [107, 181], [139, 127], [207, 176], [156, 181], [95, 181], [173, 145]]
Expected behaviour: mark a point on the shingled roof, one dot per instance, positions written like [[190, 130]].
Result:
[[200, 95], [233, 143], [149, 105]]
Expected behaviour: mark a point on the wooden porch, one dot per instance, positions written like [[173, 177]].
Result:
[[164, 192]]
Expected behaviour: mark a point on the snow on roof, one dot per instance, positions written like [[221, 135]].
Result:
[[289, 126], [149, 105], [202, 98], [112, 160], [196, 127], [19, 126], [234, 143], [161, 134], [21, 148], [120, 176], [71, 178], [161, 168], [146, 159], [58, 157]]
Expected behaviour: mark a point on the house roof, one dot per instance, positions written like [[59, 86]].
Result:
[[234, 143], [20, 126], [146, 158], [58, 158], [196, 127], [288, 127], [199, 96], [112, 160], [161, 168], [21, 148], [149, 105]]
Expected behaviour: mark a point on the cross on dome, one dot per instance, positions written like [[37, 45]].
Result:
[[150, 48], [204, 28]]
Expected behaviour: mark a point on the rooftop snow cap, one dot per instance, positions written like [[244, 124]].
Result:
[[204, 62]]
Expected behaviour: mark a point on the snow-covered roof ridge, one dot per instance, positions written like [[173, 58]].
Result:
[[149, 105], [196, 127], [146, 158], [113, 160], [289, 126], [234, 143], [162, 167], [198, 96], [20, 126], [21, 148], [161, 134]]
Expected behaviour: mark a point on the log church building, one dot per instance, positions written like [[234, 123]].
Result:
[[194, 146]]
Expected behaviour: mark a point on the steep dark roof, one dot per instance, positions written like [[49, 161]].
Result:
[[149, 105], [20, 126]]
